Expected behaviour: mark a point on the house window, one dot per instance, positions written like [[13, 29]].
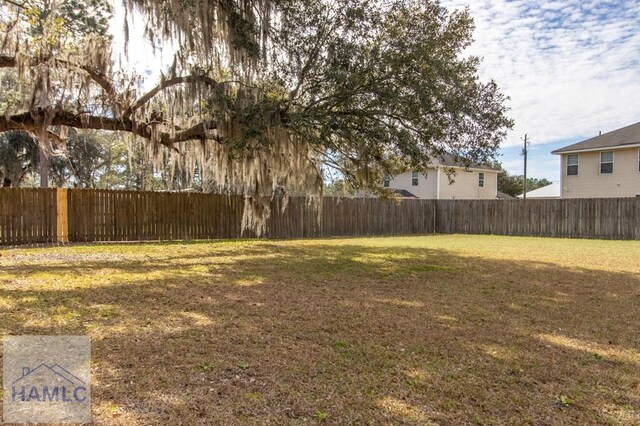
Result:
[[481, 180], [386, 182], [414, 178], [572, 165], [606, 162]]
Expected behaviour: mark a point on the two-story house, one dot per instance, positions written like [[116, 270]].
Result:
[[473, 182], [604, 166]]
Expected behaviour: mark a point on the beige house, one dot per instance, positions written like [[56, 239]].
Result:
[[605, 166], [474, 182]]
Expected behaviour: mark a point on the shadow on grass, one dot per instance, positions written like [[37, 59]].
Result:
[[274, 332]]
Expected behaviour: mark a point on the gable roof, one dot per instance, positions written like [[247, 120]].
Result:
[[502, 196], [449, 160], [549, 191], [626, 136], [403, 193]]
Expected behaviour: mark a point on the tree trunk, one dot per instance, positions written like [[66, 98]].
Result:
[[142, 182], [44, 168]]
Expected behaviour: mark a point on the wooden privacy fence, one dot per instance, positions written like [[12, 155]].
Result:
[[29, 215], [62, 215], [606, 218]]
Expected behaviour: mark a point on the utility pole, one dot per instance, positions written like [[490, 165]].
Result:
[[525, 151]]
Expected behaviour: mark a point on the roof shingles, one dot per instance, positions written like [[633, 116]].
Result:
[[629, 135]]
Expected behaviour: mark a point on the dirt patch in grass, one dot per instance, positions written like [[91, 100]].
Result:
[[435, 329]]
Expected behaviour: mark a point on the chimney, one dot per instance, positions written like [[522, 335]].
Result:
[[25, 371]]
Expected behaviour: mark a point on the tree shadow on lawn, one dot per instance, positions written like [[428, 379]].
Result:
[[281, 333]]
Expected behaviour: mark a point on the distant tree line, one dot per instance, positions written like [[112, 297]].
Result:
[[105, 160], [512, 184], [89, 159]]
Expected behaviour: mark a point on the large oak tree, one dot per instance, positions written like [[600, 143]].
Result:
[[261, 93]]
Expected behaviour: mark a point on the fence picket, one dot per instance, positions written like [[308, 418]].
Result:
[[28, 215]]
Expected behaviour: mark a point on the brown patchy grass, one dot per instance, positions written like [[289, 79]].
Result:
[[416, 330]]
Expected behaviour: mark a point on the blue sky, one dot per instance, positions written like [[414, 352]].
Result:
[[570, 67]]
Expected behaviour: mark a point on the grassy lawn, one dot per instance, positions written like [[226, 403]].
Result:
[[417, 330]]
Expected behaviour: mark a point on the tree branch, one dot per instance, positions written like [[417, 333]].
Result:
[[14, 3], [7, 61], [100, 79], [27, 122], [166, 84]]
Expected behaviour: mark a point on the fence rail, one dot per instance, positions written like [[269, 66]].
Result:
[[606, 218], [30, 215]]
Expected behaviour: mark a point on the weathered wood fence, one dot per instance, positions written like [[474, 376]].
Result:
[[606, 218], [29, 215]]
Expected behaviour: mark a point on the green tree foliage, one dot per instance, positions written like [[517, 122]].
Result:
[[378, 86], [339, 188], [50, 31], [71, 18], [367, 87], [85, 159], [18, 157], [89, 160], [513, 185]]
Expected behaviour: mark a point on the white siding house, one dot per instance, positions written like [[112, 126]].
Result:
[[474, 182]]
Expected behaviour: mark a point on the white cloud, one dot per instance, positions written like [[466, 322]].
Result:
[[570, 67]]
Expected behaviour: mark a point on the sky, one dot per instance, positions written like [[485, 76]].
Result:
[[138, 54], [571, 68]]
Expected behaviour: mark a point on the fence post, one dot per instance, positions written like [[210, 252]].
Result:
[[62, 216]]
